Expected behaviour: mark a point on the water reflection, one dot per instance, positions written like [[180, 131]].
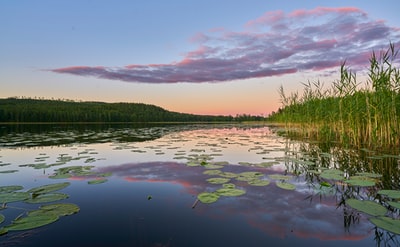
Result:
[[167, 164]]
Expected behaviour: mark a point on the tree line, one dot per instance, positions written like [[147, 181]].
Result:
[[20, 110]]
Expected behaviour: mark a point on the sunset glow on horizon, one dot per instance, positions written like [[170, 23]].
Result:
[[218, 58]]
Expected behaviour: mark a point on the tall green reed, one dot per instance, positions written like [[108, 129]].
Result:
[[353, 115]]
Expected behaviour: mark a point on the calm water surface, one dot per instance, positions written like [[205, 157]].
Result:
[[154, 175]]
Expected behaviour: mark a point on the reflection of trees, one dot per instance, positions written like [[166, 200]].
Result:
[[308, 160]]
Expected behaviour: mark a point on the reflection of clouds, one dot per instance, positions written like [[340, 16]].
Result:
[[275, 211]]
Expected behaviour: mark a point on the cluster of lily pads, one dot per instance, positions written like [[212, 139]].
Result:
[[34, 218], [378, 214]]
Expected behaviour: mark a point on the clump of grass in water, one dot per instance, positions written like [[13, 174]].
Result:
[[354, 115]]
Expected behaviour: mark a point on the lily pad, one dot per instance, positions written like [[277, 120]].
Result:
[[48, 188], [8, 171], [60, 209], [207, 197], [230, 192], [369, 174], [332, 174], [10, 188], [286, 185], [360, 182], [368, 207], [212, 172], [1, 218], [13, 197], [32, 221], [50, 197], [228, 175], [98, 181], [394, 204], [3, 231], [387, 223], [218, 180], [395, 194]]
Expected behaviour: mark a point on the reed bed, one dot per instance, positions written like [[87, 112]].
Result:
[[352, 113]]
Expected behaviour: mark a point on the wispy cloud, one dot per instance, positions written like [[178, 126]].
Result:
[[274, 44]]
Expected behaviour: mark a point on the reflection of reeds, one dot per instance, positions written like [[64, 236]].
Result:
[[367, 116]]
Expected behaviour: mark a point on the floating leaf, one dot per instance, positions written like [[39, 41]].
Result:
[[8, 171], [98, 181], [332, 174], [1, 218], [207, 197], [228, 175], [13, 197], [368, 207], [258, 182], [32, 221], [360, 182], [230, 192], [10, 188], [387, 223], [369, 174], [48, 188], [394, 204], [50, 197], [60, 209], [212, 166], [218, 180], [3, 231], [212, 172], [285, 185], [395, 194]]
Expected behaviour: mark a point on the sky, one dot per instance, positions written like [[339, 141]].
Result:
[[202, 57]]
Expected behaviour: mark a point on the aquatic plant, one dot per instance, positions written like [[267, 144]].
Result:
[[346, 112]]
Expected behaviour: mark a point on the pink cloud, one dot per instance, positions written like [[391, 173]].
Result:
[[274, 44]]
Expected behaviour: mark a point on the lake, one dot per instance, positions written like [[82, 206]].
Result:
[[191, 185]]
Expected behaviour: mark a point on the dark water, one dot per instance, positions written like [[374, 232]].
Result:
[[149, 198]]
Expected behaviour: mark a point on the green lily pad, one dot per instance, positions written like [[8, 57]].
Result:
[[3, 231], [13, 197], [1, 218], [50, 197], [394, 204], [207, 197], [32, 221], [360, 182], [212, 166], [286, 185], [212, 172], [60, 209], [48, 188], [332, 174], [230, 192], [10, 188], [8, 171], [258, 182], [98, 181], [395, 194], [387, 223], [369, 174], [228, 175], [368, 207], [218, 180]]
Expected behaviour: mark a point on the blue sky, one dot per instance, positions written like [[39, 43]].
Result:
[[204, 57]]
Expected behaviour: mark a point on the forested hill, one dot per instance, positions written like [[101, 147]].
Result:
[[34, 110]]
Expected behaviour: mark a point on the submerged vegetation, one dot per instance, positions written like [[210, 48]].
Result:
[[359, 116]]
